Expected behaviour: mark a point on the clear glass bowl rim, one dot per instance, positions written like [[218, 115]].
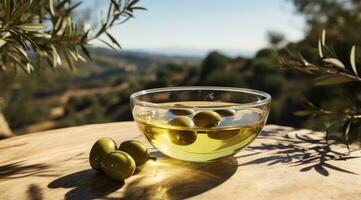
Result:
[[266, 96]]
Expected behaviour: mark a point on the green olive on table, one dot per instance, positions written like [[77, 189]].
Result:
[[118, 165], [182, 137], [137, 150], [226, 112], [101, 147], [206, 119]]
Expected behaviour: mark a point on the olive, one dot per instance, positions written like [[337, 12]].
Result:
[[226, 112], [206, 119], [101, 147], [180, 111], [222, 134], [182, 137], [118, 165], [181, 121], [136, 150]]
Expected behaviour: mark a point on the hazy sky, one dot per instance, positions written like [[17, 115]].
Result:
[[200, 25]]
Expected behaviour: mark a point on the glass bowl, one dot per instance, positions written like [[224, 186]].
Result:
[[200, 124]]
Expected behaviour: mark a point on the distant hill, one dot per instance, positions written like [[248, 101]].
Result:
[[197, 52], [148, 55]]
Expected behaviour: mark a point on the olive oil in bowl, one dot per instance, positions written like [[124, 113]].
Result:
[[197, 133]]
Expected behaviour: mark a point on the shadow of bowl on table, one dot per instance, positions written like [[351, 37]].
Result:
[[165, 178], [86, 184], [168, 178]]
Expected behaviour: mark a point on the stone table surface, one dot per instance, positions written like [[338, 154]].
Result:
[[282, 163]]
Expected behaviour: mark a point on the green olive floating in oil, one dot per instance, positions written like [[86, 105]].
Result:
[[118, 165], [180, 111], [182, 137], [206, 119], [226, 112], [181, 121], [137, 150], [222, 134], [100, 148]]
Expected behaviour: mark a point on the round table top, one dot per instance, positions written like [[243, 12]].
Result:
[[282, 163]]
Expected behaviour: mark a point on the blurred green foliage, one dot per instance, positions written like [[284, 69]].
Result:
[[214, 61], [332, 59]]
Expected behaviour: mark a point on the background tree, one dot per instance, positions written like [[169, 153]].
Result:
[[275, 38], [214, 61], [333, 63], [41, 33]]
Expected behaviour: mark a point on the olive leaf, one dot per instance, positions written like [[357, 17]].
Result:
[[21, 9], [138, 8], [323, 37], [305, 62], [347, 132], [2, 42], [41, 35], [132, 3], [21, 51], [74, 6], [7, 8], [69, 60], [51, 7], [113, 40], [80, 57], [320, 52], [72, 54], [32, 27], [336, 62], [353, 60], [331, 79], [55, 57], [108, 44], [29, 68], [86, 52]]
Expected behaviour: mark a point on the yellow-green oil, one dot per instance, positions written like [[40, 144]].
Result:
[[190, 142]]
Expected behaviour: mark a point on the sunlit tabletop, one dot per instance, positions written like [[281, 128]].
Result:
[[282, 163]]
